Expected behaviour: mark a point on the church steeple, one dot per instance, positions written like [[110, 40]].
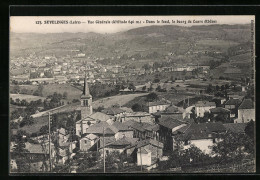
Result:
[[86, 92], [86, 100]]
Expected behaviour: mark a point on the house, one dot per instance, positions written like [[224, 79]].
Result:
[[99, 116], [237, 128], [113, 111], [142, 130], [202, 135], [87, 141], [167, 129], [83, 124], [119, 145], [153, 107], [203, 106], [232, 105], [171, 111], [144, 157], [138, 117], [102, 128], [145, 152], [246, 112], [39, 156], [123, 131], [220, 113]]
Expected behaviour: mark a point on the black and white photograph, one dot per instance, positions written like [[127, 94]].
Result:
[[132, 94]]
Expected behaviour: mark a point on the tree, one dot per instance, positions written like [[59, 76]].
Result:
[[19, 151], [233, 147], [75, 100], [147, 67], [16, 89], [250, 129], [27, 120], [132, 87], [65, 95], [158, 88], [152, 97], [137, 107]]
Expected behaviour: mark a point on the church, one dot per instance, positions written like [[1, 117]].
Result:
[[86, 110]]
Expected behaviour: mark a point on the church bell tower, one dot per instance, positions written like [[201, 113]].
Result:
[[86, 101]]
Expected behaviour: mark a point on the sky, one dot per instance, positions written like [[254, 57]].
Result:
[[27, 24]]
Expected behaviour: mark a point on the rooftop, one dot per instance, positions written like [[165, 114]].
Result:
[[113, 111], [219, 110], [170, 122], [235, 127], [247, 104], [204, 104], [100, 116]]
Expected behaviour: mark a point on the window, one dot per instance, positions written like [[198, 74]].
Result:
[[85, 141]]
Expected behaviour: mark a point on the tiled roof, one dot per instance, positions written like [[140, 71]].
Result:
[[233, 102], [120, 126], [37, 148], [247, 104], [170, 123], [235, 127], [124, 142], [202, 131], [219, 110], [171, 109], [100, 116], [112, 111], [98, 128], [145, 142], [91, 136], [144, 151], [157, 103], [204, 104], [154, 127], [108, 140]]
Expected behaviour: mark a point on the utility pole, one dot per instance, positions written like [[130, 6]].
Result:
[[104, 158], [50, 141], [141, 159]]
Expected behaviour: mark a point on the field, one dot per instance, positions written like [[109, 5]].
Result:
[[119, 99], [38, 123], [49, 89], [26, 97], [217, 44], [73, 93]]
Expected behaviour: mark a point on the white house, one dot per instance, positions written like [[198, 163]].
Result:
[[203, 106], [246, 112], [144, 157]]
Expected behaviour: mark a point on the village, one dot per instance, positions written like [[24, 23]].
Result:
[[144, 138], [140, 101]]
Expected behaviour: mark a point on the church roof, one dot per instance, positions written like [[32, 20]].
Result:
[[86, 92]]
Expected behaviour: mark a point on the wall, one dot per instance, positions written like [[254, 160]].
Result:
[[78, 128], [202, 144], [121, 134], [146, 119], [153, 109], [245, 115], [201, 110], [85, 144], [146, 159]]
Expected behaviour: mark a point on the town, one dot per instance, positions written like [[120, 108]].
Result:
[[88, 103]]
